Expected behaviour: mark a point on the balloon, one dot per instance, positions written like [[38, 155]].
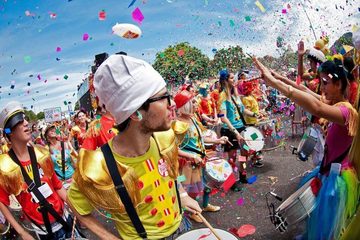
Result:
[[126, 30]]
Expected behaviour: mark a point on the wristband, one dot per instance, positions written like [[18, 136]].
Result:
[[183, 194]]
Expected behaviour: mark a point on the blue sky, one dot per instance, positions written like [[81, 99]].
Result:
[[28, 43]]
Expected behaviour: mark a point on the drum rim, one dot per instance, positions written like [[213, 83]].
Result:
[[7, 228], [208, 175], [222, 230]]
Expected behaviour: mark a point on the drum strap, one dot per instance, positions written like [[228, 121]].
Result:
[[326, 168], [122, 192], [33, 186], [63, 158], [238, 110], [202, 153]]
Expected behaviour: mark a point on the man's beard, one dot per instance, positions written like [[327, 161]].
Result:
[[148, 127]]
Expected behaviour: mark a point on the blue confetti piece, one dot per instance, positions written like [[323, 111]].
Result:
[[7, 130], [252, 179], [132, 3]]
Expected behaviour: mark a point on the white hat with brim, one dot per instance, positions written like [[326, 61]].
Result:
[[12, 114]]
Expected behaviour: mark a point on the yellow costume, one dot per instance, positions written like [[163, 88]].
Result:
[[11, 179], [251, 104], [149, 180]]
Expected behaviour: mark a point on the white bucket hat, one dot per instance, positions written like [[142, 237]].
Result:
[[124, 83]]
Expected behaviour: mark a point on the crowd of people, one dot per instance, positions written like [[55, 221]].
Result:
[[144, 157]]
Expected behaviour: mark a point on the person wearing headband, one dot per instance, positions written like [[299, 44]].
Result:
[[38, 190], [134, 176], [337, 199]]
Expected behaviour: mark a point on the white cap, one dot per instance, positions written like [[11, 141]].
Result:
[[124, 83], [10, 109]]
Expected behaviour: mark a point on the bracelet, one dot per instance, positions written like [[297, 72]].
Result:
[[183, 194]]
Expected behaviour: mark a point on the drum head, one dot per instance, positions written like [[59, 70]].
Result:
[[253, 138], [205, 233], [218, 170]]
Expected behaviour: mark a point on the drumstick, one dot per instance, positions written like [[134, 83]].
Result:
[[229, 142], [208, 225]]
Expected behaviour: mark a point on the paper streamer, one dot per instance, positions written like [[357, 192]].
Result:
[[260, 6]]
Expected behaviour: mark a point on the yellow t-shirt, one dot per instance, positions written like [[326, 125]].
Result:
[[251, 104], [159, 209]]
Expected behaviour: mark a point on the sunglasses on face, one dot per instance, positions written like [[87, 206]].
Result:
[[166, 95]]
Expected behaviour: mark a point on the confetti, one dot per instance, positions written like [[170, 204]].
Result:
[[245, 230], [252, 179], [284, 11], [28, 83], [228, 182], [132, 3], [240, 202], [247, 18], [102, 15], [58, 49], [85, 36], [260, 6], [137, 16], [66, 77], [52, 15], [181, 178], [232, 23], [27, 59]]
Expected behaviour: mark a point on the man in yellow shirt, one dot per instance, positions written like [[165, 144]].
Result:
[[133, 177]]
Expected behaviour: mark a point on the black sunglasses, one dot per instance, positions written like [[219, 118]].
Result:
[[166, 95]]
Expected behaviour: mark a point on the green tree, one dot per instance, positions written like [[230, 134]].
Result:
[[40, 115], [30, 115], [182, 61], [231, 58]]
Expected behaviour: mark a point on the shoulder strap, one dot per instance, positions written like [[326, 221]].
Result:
[[63, 158], [200, 138], [33, 186], [326, 168], [238, 109], [121, 190]]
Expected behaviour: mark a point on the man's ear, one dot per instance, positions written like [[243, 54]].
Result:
[[137, 116]]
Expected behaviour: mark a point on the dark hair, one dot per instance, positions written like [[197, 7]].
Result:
[[80, 111], [349, 66], [122, 126], [336, 69]]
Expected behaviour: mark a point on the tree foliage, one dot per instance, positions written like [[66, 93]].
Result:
[[176, 63], [40, 115], [231, 58], [31, 116]]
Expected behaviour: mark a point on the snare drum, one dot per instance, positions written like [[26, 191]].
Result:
[[205, 233], [296, 208], [216, 172], [253, 138]]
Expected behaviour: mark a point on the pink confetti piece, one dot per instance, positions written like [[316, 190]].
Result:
[[52, 15], [240, 202], [245, 230], [85, 36], [58, 49], [102, 15], [38, 77], [137, 16], [283, 11]]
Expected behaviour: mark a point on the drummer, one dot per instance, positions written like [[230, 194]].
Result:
[[252, 104], [231, 110], [343, 126], [192, 150]]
